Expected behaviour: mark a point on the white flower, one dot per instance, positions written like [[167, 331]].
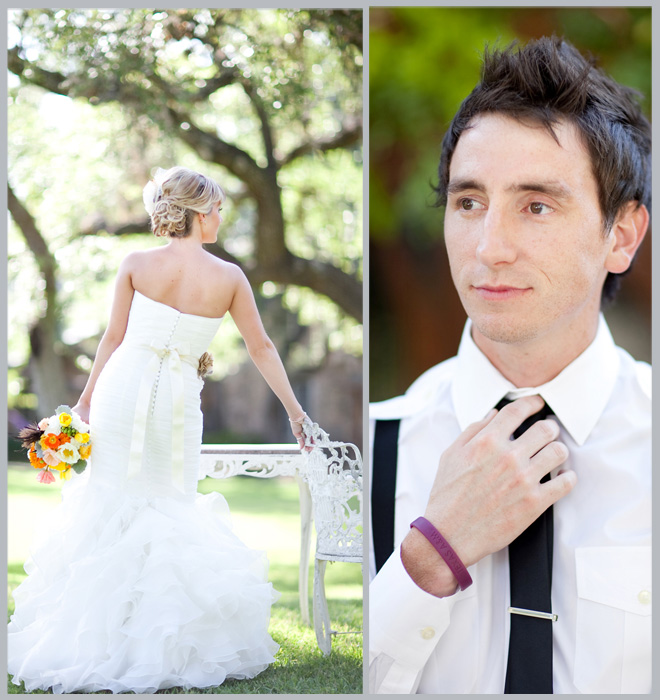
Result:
[[68, 452], [153, 189], [78, 423], [54, 425]]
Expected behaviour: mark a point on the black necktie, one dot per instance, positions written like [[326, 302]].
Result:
[[529, 665]]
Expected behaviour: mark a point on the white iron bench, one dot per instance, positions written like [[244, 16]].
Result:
[[330, 489]]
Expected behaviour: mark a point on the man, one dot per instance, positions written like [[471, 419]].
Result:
[[545, 174]]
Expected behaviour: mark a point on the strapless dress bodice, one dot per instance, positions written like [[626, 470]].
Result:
[[151, 321]]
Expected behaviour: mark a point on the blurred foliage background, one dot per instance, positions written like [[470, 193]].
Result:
[[422, 63], [268, 103]]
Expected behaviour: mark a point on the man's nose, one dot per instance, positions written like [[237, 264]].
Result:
[[497, 242]]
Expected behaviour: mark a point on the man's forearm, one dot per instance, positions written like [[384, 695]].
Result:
[[425, 567]]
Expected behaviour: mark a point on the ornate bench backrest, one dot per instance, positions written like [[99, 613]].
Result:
[[334, 474]]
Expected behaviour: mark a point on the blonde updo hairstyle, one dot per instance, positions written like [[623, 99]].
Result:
[[183, 194]]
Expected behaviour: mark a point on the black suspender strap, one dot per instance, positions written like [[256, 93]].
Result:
[[383, 488]]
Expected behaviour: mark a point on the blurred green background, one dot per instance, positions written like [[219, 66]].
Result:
[[268, 103], [422, 63]]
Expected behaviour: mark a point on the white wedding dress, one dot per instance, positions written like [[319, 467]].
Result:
[[139, 583]]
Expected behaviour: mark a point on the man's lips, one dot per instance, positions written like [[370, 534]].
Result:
[[494, 292]]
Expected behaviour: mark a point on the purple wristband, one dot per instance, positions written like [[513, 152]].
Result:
[[445, 551]]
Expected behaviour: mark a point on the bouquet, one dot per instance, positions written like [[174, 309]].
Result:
[[57, 444]]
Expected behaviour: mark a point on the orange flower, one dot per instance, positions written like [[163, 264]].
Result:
[[35, 461], [49, 441], [85, 451]]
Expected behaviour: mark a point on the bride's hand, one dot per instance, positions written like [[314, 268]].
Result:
[[82, 409], [299, 433]]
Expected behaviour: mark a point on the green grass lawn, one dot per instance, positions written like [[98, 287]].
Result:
[[265, 515]]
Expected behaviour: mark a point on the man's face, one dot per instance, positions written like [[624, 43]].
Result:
[[523, 229]]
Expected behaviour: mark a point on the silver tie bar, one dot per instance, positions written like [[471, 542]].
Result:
[[533, 613]]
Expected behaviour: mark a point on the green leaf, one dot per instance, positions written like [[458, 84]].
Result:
[[79, 466]]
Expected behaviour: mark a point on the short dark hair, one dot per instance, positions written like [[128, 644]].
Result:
[[549, 80]]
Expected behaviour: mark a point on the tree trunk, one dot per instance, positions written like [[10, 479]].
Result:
[[46, 368]]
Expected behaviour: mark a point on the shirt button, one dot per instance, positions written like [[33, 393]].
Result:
[[644, 597], [428, 633]]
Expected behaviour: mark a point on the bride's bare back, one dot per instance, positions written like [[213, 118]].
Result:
[[188, 279]]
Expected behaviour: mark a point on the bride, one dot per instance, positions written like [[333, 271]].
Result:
[[139, 583]]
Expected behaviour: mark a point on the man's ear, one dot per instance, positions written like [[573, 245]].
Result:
[[626, 235]]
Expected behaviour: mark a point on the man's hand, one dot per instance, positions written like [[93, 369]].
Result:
[[487, 491]]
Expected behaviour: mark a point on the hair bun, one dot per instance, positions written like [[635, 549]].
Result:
[[170, 219], [174, 196]]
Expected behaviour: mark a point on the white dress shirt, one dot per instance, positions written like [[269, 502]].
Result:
[[601, 585]]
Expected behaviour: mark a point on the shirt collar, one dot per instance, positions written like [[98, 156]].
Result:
[[577, 395]]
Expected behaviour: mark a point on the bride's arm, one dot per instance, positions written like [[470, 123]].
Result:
[[263, 353], [113, 335]]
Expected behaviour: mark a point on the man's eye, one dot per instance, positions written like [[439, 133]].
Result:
[[467, 204], [539, 208]]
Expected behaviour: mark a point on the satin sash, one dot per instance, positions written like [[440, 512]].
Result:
[[168, 357]]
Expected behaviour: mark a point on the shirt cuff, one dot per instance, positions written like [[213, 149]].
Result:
[[405, 622]]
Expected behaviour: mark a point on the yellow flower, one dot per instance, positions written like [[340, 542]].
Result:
[[65, 474], [82, 437], [85, 451], [61, 467], [65, 419]]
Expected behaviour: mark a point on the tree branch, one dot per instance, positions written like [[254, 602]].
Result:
[[261, 183], [31, 73], [347, 136], [108, 89], [210, 147], [266, 132], [100, 224], [178, 94], [227, 77], [322, 277], [35, 241], [346, 24], [144, 226]]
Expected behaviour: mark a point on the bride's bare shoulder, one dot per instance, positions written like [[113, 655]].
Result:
[[138, 258], [225, 270]]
